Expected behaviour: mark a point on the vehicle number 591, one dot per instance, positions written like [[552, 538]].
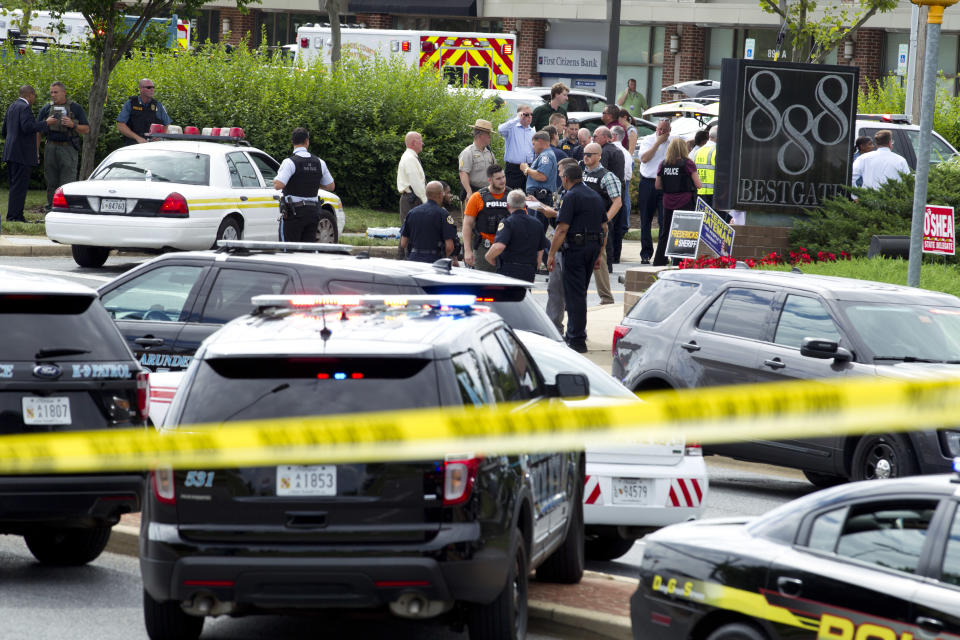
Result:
[[671, 586]]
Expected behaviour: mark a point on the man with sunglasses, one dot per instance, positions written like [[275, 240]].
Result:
[[139, 112], [517, 146]]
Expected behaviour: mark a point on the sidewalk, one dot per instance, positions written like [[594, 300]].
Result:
[[600, 604], [31, 246]]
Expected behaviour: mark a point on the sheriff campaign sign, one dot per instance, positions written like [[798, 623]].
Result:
[[715, 233], [939, 232], [791, 132], [684, 238]]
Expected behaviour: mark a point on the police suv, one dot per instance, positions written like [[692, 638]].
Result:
[[455, 536]]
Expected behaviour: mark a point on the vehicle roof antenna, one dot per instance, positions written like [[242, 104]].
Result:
[[325, 333]]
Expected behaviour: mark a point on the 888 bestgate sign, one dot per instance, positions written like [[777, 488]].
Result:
[[789, 142]]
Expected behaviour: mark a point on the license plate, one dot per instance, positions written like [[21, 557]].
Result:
[[632, 491], [113, 205], [46, 410], [307, 480]]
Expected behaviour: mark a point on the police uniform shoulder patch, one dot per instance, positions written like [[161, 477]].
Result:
[[500, 226], [450, 219]]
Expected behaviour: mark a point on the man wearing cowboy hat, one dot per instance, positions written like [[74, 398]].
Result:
[[475, 159]]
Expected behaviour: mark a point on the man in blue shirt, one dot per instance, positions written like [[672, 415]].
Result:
[[517, 149], [542, 172], [139, 112]]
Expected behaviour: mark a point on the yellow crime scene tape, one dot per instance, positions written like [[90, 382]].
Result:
[[714, 415]]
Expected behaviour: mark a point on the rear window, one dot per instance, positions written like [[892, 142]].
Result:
[[234, 389], [69, 328], [158, 166], [512, 304], [661, 299]]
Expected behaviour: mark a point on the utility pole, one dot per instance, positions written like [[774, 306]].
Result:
[[613, 49], [916, 55]]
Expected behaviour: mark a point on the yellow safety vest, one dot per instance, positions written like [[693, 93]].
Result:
[[706, 167]]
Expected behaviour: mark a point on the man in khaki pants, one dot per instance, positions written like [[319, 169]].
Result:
[[61, 153], [607, 185]]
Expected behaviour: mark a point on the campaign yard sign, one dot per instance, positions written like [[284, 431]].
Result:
[[684, 238], [715, 233], [939, 232]]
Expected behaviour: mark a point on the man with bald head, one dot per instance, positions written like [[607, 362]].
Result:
[[429, 229], [20, 150], [606, 185], [411, 182], [139, 112]]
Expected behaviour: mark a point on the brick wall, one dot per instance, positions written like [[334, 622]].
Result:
[[688, 63], [752, 241], [375, 20], [531, 35], [867, 52], [240, 24]]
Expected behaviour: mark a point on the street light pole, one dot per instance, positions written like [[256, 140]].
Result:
[[930, 63]]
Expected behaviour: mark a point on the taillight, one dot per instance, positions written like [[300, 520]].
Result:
[[618, 332], [693, 449], [143, 395], [175, 205], [60, 200], [459, 476], [164, 490], [304, 43]]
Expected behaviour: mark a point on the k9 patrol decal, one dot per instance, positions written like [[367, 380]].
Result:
[[102, 370]]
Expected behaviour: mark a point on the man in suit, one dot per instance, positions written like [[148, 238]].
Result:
[[20, 150]]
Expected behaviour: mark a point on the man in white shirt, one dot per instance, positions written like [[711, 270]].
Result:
[[876, 167], [621, 224], [653, 149], [411, 183]]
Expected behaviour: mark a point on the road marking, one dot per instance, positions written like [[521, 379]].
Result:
[[62, 274]]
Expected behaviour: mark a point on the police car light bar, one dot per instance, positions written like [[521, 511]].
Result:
[[308, 301], [267, 245]]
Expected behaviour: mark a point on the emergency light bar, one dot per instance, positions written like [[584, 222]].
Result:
[[308, 301], [267, 245]]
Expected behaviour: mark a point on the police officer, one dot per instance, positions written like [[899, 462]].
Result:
[[580, 234], [485, 210], [300, 177], [706, 161], [518, 247], [555, 303], [475, 159], [429, 229], [139, 112], [61, 153], [606, 185]]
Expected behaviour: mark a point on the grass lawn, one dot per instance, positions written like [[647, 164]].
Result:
[[934, 275], [33, 210]]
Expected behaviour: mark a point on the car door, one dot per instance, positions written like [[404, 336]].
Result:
[[937, 600], [798, 316], [268, 202], [152, 307], [721, 346], [228, 297], [259, 209], [854, 567]]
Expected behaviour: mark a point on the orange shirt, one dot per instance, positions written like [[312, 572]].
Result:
[[475, 205]]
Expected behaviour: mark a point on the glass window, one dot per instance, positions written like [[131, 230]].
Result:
[[641, 58], [469, 379], [892, 50], [158, 166], [242, 173], [159, 294], [478, 77], [888, 534], [453, 76], [907, 332], [950, 573], [804, 317], [721, 46], [502, 379], [268, 167], [826, 530], [765, 43], [939, 150], [743, 312], [662, 299], [231, 293], [634, 45], [529, 385]]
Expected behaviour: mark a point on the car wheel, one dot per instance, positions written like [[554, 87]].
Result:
[[327, 227], [823, 480], [607, 546], [90, 257], [167, 621], [506, 617], [737, 631], [882, 455], [229, 230], [67, 547], [565, 565]]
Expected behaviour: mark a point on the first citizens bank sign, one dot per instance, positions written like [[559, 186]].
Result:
[[789, 142], [567, 61]]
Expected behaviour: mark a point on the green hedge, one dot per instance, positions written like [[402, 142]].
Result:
[[357, 118], [888, 96]]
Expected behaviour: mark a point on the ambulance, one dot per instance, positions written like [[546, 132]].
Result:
[[72, 29], [484, 60]]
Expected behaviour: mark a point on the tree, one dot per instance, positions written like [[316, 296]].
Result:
[[334, 8], [810, 40], [113, 36]]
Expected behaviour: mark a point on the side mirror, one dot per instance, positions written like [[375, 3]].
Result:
[[570, 385], [824, 350]]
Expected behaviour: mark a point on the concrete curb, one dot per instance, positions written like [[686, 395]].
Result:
[[34, 250]]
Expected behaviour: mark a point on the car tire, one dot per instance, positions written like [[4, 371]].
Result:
[[737, 631], [607, 546], [67, 547], [229, 230], [167, 621], [327, 227], [882, 455], [90, 257], [823, 480], [506, 617], [565, 564]]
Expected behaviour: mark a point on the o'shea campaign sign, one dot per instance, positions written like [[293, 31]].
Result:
[[939, 233]]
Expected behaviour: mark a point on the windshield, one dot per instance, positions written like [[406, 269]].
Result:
[[909, 333], [557, 358], [157, 166]]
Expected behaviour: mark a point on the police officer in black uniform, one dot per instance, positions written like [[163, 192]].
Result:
[[580, 233], [429, 229], [139, 112], [518, 247], [300, 178], [484, 212]]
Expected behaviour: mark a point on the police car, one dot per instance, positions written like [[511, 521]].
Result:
[[455, 536], [877, 560], [183, 193]]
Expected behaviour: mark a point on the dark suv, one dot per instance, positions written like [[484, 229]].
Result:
[[64, 367], [455, 536], [166, 307], [696, 328]]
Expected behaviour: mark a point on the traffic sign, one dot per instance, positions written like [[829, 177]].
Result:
[[903, 51], [751, 45]]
